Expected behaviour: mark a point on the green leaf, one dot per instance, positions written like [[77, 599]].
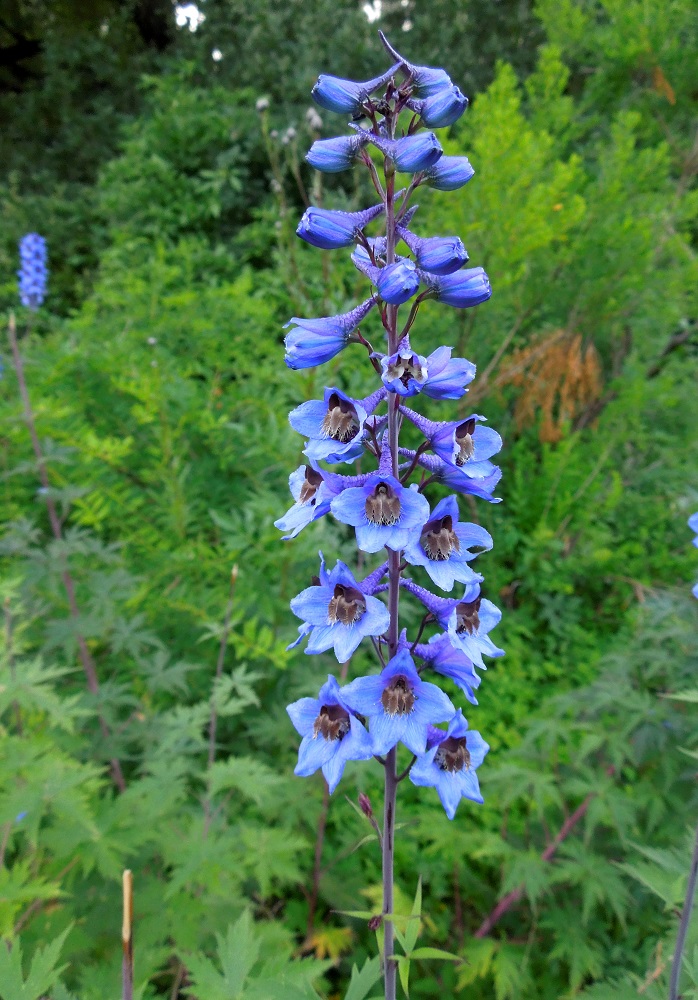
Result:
[[43, 971], [364, 980], [436, 953]]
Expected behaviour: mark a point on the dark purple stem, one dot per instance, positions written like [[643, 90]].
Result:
[[515, 895], [390, 966]]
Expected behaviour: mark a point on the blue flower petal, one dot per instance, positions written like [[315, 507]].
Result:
[[303, 714]]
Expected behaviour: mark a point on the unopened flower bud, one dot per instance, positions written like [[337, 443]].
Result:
[[365, 804], [375, 922]]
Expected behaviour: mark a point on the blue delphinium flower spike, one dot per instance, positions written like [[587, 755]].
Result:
[[334, 155], [462, 289], [440, 655], [332, 735], [449, 173], [438, 376], [468, 621], [33, 272], [442, 108], [347, 96], [329, 230], [314, 341], [334, 425], [399, 705], [450, 763], [338, 614], [436, 254], [383, 511], [444, 544]]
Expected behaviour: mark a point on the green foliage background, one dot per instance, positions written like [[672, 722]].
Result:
[[155, 370]]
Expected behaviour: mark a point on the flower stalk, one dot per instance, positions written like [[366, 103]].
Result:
[[371, 716]]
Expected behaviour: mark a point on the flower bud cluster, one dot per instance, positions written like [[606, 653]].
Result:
[[388, 507]]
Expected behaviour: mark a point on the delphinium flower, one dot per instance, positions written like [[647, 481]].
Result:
[[386, 501], [693, 525], [33, 271]]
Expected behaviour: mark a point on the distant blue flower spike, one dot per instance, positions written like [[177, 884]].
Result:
[[442, 108], [334, 425], [329, 230], [461, 290], [435, 254], [338, 614], [384, 512], [314, 341], [399, 705], [449, 173], [347, 96], [411, 154], [440, 655], [450, 764], [443, 548], [334, 155], [332, 735], [438, 376], [468, 621], [467, 443], [425, 79], [33, 272]]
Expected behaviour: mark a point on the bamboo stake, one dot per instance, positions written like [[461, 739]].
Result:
[[127, 937]]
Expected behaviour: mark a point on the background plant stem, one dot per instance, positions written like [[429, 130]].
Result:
[[85, 655]]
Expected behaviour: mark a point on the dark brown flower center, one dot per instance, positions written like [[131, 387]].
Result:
[[453, 755], [398, 698], [347, 605], [383, 506], [467, 617], [332, 723], [464, 441], [341, 422], [406, 367], [310, 485], [439, 539]]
